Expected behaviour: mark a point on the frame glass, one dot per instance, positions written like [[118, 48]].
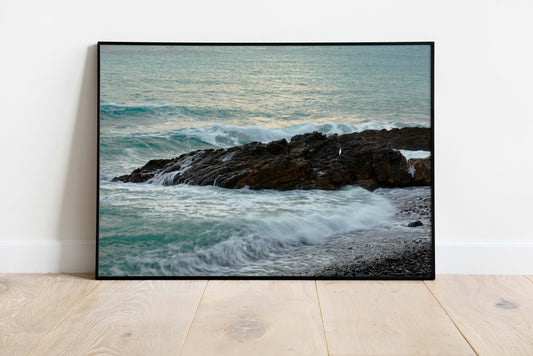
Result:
[[265, 161]]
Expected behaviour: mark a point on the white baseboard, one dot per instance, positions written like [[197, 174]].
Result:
[[47, 256], [484, 257], [456, 257]]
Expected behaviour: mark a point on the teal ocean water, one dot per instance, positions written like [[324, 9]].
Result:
[[162, 101]]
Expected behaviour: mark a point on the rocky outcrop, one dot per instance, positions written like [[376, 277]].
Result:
[[310, 161], [408, 138]]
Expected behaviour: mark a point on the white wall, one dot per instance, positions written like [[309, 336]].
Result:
[[484, 107]]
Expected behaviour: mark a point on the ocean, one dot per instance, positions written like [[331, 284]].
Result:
[[157, 102]]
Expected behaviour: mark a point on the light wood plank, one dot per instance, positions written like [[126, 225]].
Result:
[[257, 318], [31, 305], [128, 318], [386, 318], [530, 278], [495, 313]]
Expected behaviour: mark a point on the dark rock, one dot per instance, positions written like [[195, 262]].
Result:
[[415, 224], [310, 161], [407, 138]]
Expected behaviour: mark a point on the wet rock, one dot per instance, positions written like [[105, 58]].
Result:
[[415, 223], [310, 161], [407, 138], [420, 169]]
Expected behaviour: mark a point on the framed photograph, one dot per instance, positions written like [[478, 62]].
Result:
[[265, 161]]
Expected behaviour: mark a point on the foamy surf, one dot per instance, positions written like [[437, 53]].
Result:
[[232, 228], [415, 154], [230, 135]]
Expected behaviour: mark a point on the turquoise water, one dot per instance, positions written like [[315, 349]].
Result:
[[162, 101]]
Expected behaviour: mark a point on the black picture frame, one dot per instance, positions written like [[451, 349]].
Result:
[[429, 274]]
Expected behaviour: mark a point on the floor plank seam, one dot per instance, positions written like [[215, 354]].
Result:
[[322, 318], [450, 317], [193, 317], [67, 314]]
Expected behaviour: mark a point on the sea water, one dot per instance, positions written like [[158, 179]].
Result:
[[163, 101]]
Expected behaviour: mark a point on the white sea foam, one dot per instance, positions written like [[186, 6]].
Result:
[[415, 154], [167, 178], [231, 135], [241, 226], [411, 169]]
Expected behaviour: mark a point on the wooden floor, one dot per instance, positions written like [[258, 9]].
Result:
[[453, 315]]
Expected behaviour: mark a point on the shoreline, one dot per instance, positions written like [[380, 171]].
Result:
[[413, 261], [334, 256], [389, 251]]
